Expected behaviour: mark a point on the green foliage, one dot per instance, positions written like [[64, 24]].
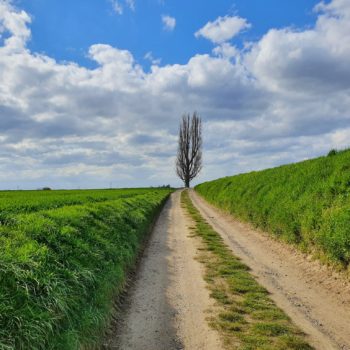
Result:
[[306, 203], [63, 259], [245, 314], [332, 152]]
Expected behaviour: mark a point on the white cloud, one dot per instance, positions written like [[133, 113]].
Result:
[[223, 29], [117, 7], [131, 4], [312, 61], [149, 57], [283, 98], [15, 22], [226, 50], [169, 22]]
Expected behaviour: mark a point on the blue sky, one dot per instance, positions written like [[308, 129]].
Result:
[[92, 91], [65, 29]]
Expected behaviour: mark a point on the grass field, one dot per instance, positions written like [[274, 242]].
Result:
[[306, 203], [63, 260]]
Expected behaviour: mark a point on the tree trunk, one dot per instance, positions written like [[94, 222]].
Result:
[[187, 183]]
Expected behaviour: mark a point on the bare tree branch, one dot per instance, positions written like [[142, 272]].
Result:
[[189, 153]]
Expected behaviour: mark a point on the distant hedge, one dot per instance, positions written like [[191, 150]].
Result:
[[305, 203]]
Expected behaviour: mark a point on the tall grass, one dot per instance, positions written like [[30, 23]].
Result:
[[61, 268], [306, 203]]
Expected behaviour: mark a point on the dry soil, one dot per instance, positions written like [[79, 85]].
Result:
[[168, 304]]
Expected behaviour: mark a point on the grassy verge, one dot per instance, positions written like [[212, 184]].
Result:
[[246, 316], [307, 203], [61, 269]]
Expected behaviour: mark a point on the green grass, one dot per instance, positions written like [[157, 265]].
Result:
[[14, 202], [245, 315], [307, 203], [64, 256]]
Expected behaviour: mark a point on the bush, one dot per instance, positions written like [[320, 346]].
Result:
[[332, 152]]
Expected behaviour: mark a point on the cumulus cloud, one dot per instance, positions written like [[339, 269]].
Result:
[[312, 61], [223, 29], [15, 23], [284, 98], [226, 50], [169, 23]]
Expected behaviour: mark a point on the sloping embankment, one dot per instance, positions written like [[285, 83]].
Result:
[[61, 268], [306, 203]]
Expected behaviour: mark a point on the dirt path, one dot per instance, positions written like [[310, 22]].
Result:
[[317, 300], [166, 308]]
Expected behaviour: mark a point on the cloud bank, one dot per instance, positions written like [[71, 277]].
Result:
[[283, 98]]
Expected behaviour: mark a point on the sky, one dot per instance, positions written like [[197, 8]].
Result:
[[92, 92]]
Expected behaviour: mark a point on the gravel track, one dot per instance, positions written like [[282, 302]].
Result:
[[317, 299], [167, 306]]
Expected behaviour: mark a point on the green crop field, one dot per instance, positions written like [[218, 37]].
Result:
[[63, 260], [306, 203]]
